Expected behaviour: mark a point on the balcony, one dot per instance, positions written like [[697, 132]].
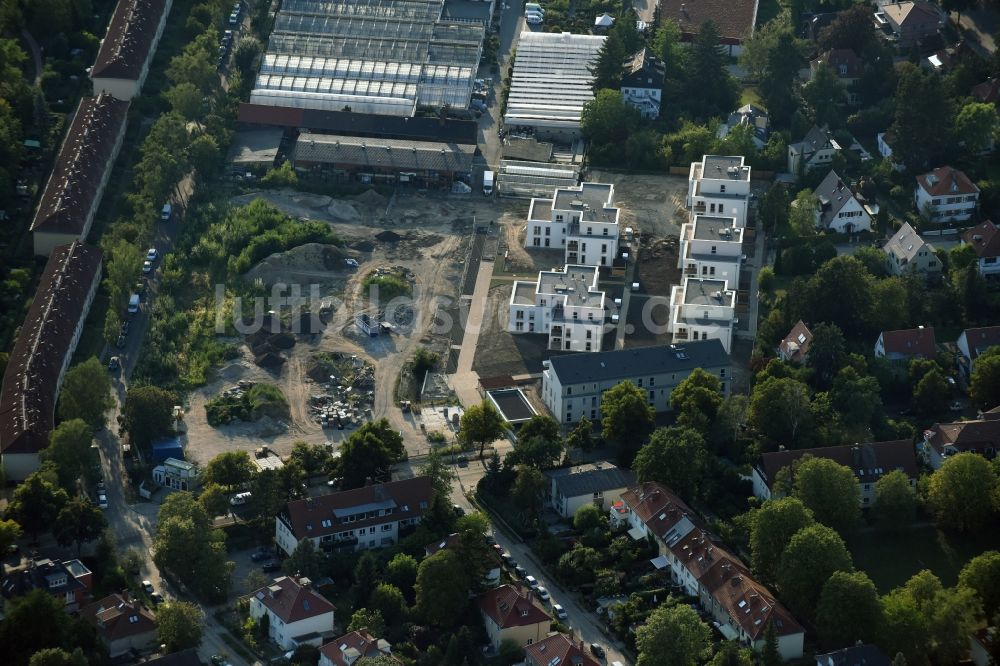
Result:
[[699, 207], [556, 331], [691, 270], [681, 334], [572, 246]]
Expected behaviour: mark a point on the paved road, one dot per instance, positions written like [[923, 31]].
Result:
[[511, 25], [36, 54], [982, 23]]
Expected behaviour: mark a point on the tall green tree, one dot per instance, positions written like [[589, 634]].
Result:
[[529, 488], [827, 352], [609, 67], [851, 29], [36, 503], [581, 437], [824, 95], [922, 121], [981, 574], [387, 600], [369, 453], [482, 424], [78, 522], [779, 412], [365, 618], [306, 560], [442, 589], [829, 489], [187, 545], [230, 469], [709, 89], [813, 554], [827, 292], [626, 418], [895, 501], [976, 125], [86, 393], [147, 414], [777, 83], [771, 528], [963, 492], [849, 609], [179, 625], [696, 400], [69, 451], [675, 457], [401, 571], [984, 386], [607, 119], [673, 636]]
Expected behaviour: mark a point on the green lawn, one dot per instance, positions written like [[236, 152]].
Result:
[[890, 559], [749, 95]]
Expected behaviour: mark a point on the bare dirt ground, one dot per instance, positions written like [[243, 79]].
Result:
[[501, 353], [652, 204]]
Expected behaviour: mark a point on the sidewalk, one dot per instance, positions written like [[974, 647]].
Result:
[[465, 381]]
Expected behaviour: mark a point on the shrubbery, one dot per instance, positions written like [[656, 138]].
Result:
[[259, 401]]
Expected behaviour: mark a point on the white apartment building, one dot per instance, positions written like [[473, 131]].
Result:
[[711, 247], [572, 384], [703, 309], [566, 305], [720, 185], [581, 220], [945, 194]]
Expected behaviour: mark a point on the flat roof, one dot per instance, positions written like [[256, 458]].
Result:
[[524, 292], [709, 227], [574, 282], [386, 153], [624, 364], [541, 209], [702, 292], [591, 199], [724, 166], [512, 405], [255, 146]]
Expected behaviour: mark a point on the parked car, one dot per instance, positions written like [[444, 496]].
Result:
[[597, 650], [166, 213], [140, 289], [260, 555], [157, 598], [114, 363], [270, 567], [239, 499], [532, 582], [147, 266], [126, 325], [520, 571], [459, 511], [559, 612], [147, 586], [543, 594], [102, 500], [120, 343], [219, 660], [152, 254], [133, 303]]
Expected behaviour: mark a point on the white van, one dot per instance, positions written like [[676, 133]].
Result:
[[133, 303], [166, 213], [534, 8], [532, 18], [239, 499]]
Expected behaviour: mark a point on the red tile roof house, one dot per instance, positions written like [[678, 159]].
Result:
[[795, 347], [128, 47], [296, 614], [82, 168], [985, 240], [70, 581], [981, 436], [558, 647], [988, 91], [972, 343], [511, 613], [901, 346], [910, 21], [123, 624], [869, 462], [42, 354], [945, 194], [349, 648], [734, 19], [371, 517]]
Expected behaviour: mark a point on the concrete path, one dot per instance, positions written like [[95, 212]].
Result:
[[36, 54], [465, 381]]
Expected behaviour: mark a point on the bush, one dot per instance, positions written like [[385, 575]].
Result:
[[283, 176], [389, 286], [259, 401]]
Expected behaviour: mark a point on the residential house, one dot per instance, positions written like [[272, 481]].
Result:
[[703, 309], [945, 194], [711, 247], [750, 116], [733, 19], [845, 64], [815, 150], [910, 22], [511, 613], [985, 240], [122, 623], [492, 577], [988, 91], [869, 462], [971, 344], [642, 85], [856, 655], [840, 211], [349, 648], [572, 384], [362, 518], [68, 580], [720, 185], [901, 346], [128, 47], [795, 347], [558, 650], [581, 220], [188, 657], [906, 252], [983, 644], [598, 483], [566, 305], [42, 353], [81, 171], [885, 140], [176, 474], [297, 615], [981, 435]]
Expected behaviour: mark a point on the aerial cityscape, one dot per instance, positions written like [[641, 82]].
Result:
[[479, 333]]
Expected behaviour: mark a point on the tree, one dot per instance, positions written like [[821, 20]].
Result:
[[366, 577], [981, 574], [626, 418], [963, 492], [607, 122], [777, 83], [86, 393], [306, 560], [673, 636], [402, 572], [609, 66], [827, 352], [696, 400], [186, 99], [921, 124], [581, 437], [305, 655], [826, 293], [147, 414], [829, 489], [984, 385], [848, 609], [230, 469], [529, 487], [930, 396], [851, 29], [813, 554], [802, 214], [58, 657], [729, 421], [779, 412], [10, 532], [369, 453], [203, 154], [857, 398], [78, 522], [194, 64], [365, 618], [37, 502], [313, 458], [245, 53], [771, 528], [69, 451], [731, 654], [537, 451], [588, 517], [709, 90], [179, 625], [388, 601], [774, 207], [34, 622], [214, 500], [975, 126], [824, 94], [675, 457], [578, 566], [186, 544], [442, 589], [481, 424], [424, 360], [895, 501]]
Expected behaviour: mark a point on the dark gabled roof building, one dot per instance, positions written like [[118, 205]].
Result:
[[599, 483], [42, 354], [980, 436], [81, 171], [122, 623], [128, 47], [69, 581]]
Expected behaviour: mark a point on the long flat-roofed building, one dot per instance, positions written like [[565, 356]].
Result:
[[582, 220], [128, 47], [551, 82], [566, 305], [703, 309]]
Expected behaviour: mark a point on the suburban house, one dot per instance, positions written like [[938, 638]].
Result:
[[582, 220], [558, 650], [988, 91], [81, 171], [985, 240], [188, 657], [973, 342], [906, 252], [885, 140], [945, 194], [703, 309], [42, 354], [845, 64], [123, 624], [598, 483], [370, 517], [946, 439], [642, 85], [68, 580], [720, 185], [901, 346], [511, 613], [711, 247], [697, 561], [297, 615], [869, 462], [349, 648], [815, 150], [734, 20], [909, 21], [176, 474], [983, 644], [572, 384], [492, 577], [750, 116], [839, 210], [566, 305], [128, 47], [795, 347], [856, 655]]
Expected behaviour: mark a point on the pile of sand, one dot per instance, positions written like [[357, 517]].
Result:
[[343, 211], [307, 200], [371, 198], [308, 258]]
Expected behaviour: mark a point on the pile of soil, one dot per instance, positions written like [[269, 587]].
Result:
[[282, 340], [388, 237], [342, 211], [309, 323], [321, 366], [270, 360], [371, 198], [268, 427], [283, 266], [363, 246]]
